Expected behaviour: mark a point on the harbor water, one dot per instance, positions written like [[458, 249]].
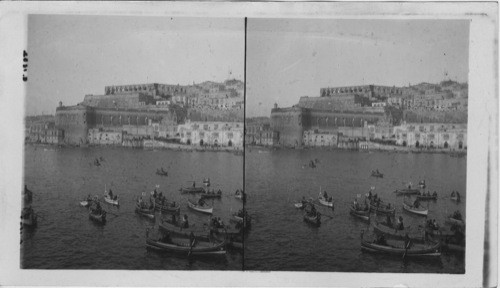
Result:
[[281, 240], [65, 238]]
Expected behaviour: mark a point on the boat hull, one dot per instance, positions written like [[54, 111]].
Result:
[[432, 251], [407, 191], [315, 221], [381, 209], [168, 208], [361, 215], [421, 212], [195, 207], [111, 201], [395, 234], [426, 198], [193, 190], [323, 202], [148, 213], [218, 249], [100, 218]]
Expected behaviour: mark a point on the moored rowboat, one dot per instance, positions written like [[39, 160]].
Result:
[[111, 201], [392, 232], [187, 246], [360, 214], [454, 221], [167, 206], [325, 202], [149, 213], [192, 190], [203, 209], [313, 220], [407, 191], [414, 250], [418, 211], [427, 197], [382, 208], [98, 217]]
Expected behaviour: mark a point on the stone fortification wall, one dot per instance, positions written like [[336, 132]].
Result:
[[153, 89], [206, 114], [131, 100], [74, 121], [331, 120], [114, 117], [288, 122], [364, 90], [339, 103], [426, 116]]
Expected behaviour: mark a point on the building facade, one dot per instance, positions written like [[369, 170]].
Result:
[[219, 134], [432, 135]]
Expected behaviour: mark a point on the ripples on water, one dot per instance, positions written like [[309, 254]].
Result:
[[65, 237], [280, 240]]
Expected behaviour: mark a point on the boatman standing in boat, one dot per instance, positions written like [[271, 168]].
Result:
[[400, 225]]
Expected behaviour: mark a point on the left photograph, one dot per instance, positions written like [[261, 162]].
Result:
[[133, 154]]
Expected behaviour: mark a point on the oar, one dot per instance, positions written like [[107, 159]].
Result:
[[406, 248]]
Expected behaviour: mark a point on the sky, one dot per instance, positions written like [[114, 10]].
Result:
[[290, 58], [71, 56]]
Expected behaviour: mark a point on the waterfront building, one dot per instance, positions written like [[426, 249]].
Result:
[[44, 132], [97, 136], [258, 133], [432, 135], [219, 134], [359, 113], [318, 138]]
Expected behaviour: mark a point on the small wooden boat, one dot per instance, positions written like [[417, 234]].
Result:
[[398, 248], [393, 233], [176, 229], [161, 172], [407, 191], [29, 217], [360, 214], [97, 217], [192, 190], [325, 202], [299, 205], [427, 197], [239, 194], [313, 219], [146, 212], [111, 201], [212, 195], [242, 219], [28, 195], [167, 206], [200, 208], [455, 197], [454, 221], [382, 208], [418, 211], [186, 246], [377, 174]]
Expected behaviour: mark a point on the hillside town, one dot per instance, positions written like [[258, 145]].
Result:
[[205, 115], [422, 117]]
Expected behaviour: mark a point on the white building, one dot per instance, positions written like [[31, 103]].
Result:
[[436, 135], [225, 134]]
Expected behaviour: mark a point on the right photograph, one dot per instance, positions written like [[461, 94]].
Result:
[[356, 145]]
